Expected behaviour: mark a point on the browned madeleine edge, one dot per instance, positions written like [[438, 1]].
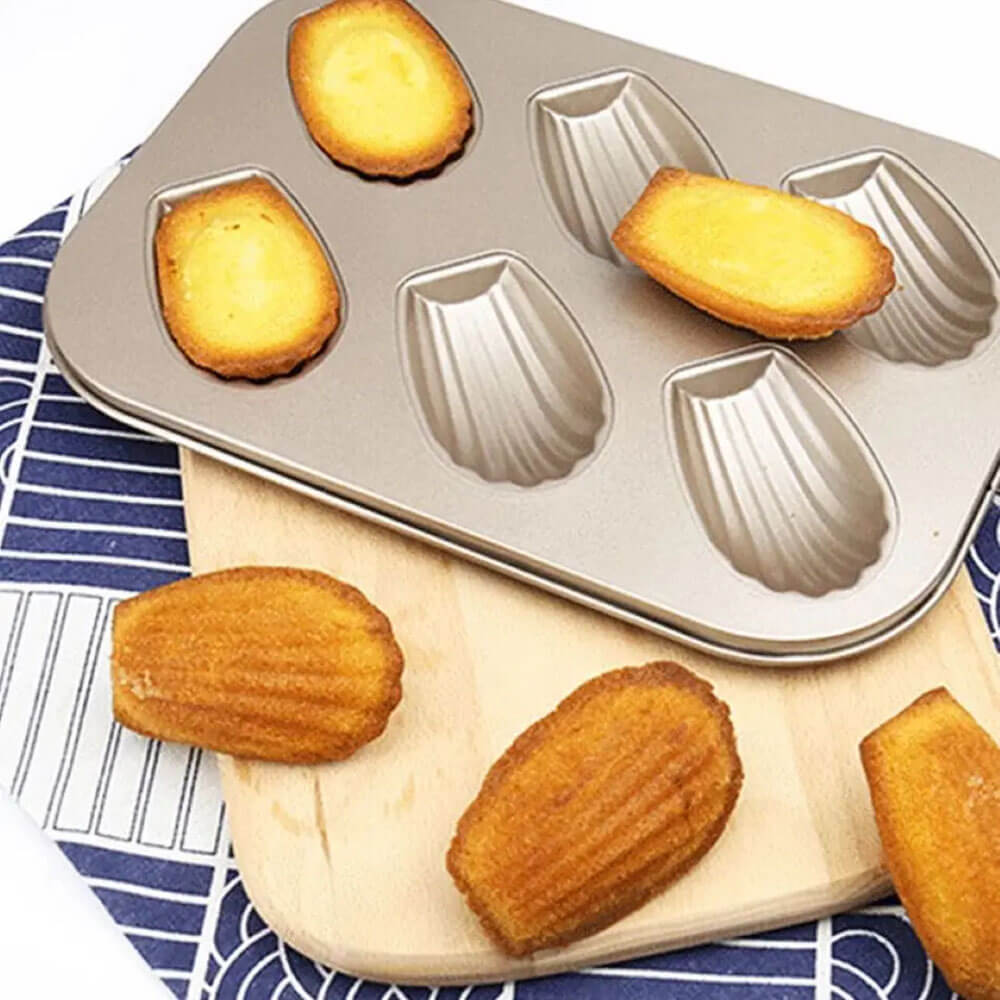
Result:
[[976, 977], [373, 166], [766, 321], [265, 576], [233, 364], [654, 674]]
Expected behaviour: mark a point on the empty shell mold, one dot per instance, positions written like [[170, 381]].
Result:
[[503, 378], [597, 142], [784, 485], [945, 302], [506, 387]]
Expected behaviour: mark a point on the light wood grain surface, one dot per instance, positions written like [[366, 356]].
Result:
[[346, 860]]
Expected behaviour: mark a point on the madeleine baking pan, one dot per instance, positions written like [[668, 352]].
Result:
[[503, 385]]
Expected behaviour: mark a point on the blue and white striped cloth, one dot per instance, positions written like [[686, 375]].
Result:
[[90, 512]]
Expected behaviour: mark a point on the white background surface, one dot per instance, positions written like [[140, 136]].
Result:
[[82, 82]]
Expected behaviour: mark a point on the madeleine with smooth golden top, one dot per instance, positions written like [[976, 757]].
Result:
[[597, 807], [271, 663], [379, 90], [779, 264], [245, 288], [934, 778]]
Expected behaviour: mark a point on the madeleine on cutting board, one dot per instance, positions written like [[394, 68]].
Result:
[[245, 288], [265, 662], [934, 777], [379, 90], [781, 265], [597, 807]]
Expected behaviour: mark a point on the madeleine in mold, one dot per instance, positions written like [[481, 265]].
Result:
[[781, 265], [245, 288], [379, 90]]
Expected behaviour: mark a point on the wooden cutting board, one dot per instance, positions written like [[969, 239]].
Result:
[[346, 861]]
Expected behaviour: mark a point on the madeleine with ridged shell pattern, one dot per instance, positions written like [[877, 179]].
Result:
[[378, 89], [597, 807], [264, 662]]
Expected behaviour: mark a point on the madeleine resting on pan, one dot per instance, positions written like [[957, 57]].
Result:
[[934, 777], [779, 264], [597, 807], [277, 664], [245, 288], [378, 89]]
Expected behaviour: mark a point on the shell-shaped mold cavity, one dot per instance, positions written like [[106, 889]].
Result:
[[598, 140], [946, 300], [782, 481], [501, 374]]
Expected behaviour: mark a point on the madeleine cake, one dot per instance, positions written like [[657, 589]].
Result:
[[776, 263], [934, 778], [245, 288], [597, 807], [378, 89], [264, 662]]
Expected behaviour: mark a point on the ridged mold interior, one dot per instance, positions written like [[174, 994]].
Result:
[[783, 483], [946, 301], [597, 141], [501, 374]]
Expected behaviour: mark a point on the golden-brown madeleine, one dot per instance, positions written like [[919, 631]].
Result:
[[934, 777], [379, 90], [266, 662], [245, 288], [597, 807], [776, 263]]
